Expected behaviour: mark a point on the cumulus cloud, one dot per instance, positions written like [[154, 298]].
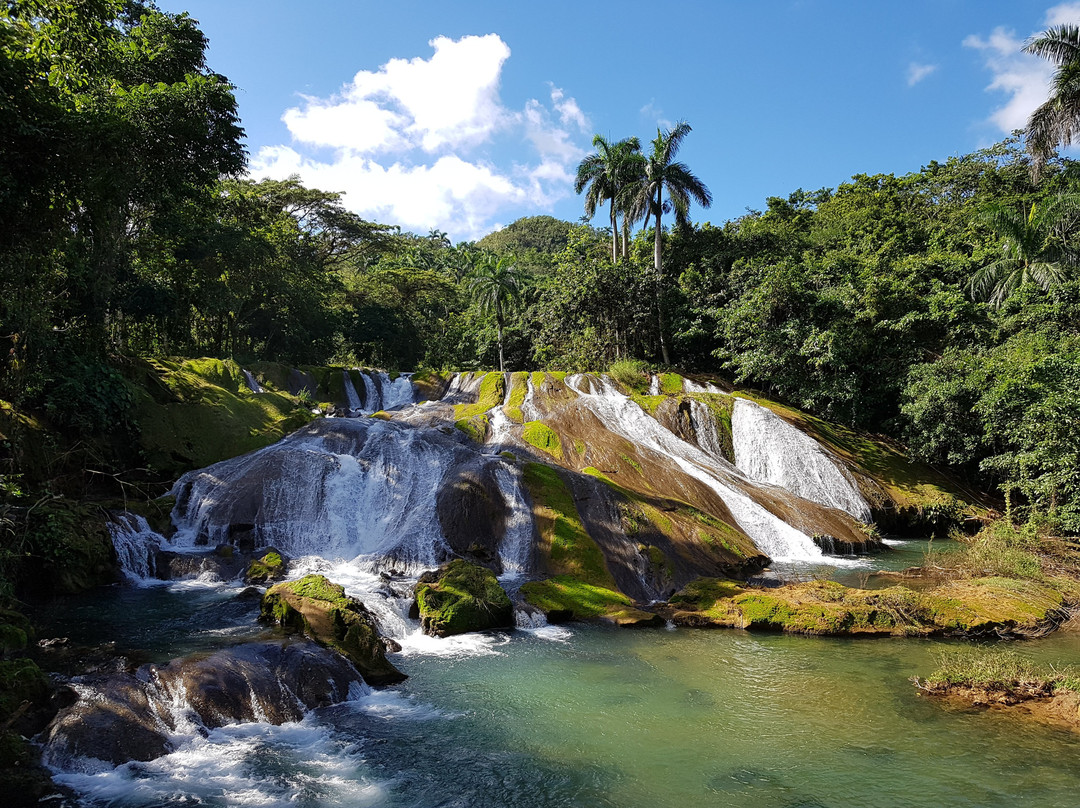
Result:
[[418, 142], [1025, 79], [917, 72]]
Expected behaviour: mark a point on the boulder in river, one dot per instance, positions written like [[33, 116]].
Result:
[[462, 597], [321, 610], [123, 716], [270, 566]]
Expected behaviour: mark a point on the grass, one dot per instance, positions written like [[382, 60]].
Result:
[[632, 374], [999, 670]]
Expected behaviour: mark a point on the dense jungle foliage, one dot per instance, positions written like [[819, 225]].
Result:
[[130, 230]]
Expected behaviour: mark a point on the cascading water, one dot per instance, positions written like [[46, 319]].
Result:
[[352, 398], [773, 536], [136, 545], [252, 382], [770, 450], [704, 424]]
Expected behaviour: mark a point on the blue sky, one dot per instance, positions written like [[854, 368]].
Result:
[[465, 115]]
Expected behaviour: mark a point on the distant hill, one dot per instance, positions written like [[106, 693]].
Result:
[[530, 234]]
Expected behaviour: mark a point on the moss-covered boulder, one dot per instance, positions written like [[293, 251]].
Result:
[[321, 610], [462, 597], [268, 567]]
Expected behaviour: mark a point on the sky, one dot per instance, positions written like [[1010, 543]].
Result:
[[465, 115]]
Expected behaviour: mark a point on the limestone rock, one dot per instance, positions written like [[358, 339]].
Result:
[[321, 610], [462, 597]]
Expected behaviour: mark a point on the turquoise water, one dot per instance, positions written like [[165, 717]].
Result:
[[592, 716]]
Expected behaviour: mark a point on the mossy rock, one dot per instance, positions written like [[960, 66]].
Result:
[[565, 598], [16, 632], [544, 438], [269, 567], [321, 610], [69, 549], [462, 597], [992, 606]]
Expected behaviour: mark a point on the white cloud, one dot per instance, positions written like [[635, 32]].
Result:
[[917, 72], [1024, 78], [412, 143]]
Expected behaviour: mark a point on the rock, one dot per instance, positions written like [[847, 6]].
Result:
[[321, 610], [122, 716], [269, 567], [170, 565], [633, 618], [462, 597], [831, 545]]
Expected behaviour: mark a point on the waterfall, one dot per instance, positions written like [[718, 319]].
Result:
[[654, 384], [773, 536], [690, 386], [529, 410], [704, 424], [352, 398], [136, 545], [515, 549], [769, 449], [252, 382]]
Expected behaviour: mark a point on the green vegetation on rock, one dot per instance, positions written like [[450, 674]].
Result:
[[269, 567], [543, 437], [565, 597], [519, 388], [321, 610], [462, 597]]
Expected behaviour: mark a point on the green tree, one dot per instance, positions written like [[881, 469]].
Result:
[[664, 175], [1057, 120], [497, 285], [605, 175], [1034, 248]]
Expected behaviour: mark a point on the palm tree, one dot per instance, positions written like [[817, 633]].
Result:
[[1033, 249], [603, 176], [1057, 121], [497, 284], [662, 174]]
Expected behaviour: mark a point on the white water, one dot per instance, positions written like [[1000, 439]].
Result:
[[339, 488], [777, 539], [770, 450], [136, 545], [690, 386], [704, 424], [352, 398], [529, 410], [382, 393], [654, 384], [515, 549], [252, 382]]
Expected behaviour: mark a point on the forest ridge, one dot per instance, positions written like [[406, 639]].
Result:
[[940, 308]]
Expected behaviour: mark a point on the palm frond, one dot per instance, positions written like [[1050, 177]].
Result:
[[1059, 44]]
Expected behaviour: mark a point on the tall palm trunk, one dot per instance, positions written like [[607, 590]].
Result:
[[499, 329], [659, 266], [614, 233]]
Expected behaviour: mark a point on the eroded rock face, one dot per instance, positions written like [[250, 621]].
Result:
[[472, 511], [462, 597], [320, 609], [133, 716]]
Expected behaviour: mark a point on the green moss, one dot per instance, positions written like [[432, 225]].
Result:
[[475, 427], [268, 568], [519, 388], [570, 550], [187, 419], [462, 597], [579, 447], [568, 596], [430, 383], [543, 437], [66, 548], [631, 374], [648, 403], [671, 384], [381, 415], [491, 394], [636, 466]]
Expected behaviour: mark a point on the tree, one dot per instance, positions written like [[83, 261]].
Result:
[[605, 175], [1056, 121], [497, 284], [1033, 249], [662, 174]]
